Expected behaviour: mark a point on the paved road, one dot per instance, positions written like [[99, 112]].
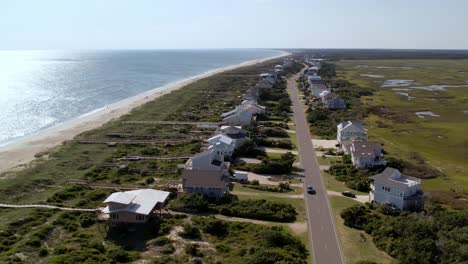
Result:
[[325, 246]]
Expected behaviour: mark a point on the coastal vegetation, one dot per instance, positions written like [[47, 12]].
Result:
[[392, 119], [82, 175], [435, 236]]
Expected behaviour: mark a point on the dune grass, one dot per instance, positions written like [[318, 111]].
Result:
[[356, 245], [442, 141]]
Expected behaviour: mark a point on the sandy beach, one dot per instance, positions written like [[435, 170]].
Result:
[[18, 154]]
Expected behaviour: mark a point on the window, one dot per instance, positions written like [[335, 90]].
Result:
[[140, 217], [114, 216]]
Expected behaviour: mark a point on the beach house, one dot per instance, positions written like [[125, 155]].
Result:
[[136, 206], [396, 189], [349, 131], [236, 133], [263, 84], [333, 101], [268, 77], [222, 144], [365, 154], [252, 107], [237, 117], [209, 160], [208, 183], [313, 70], [314, 79]]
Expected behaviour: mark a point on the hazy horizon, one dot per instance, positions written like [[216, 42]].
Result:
[[210, 24]]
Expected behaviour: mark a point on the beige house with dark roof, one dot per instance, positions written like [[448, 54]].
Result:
[[365, 154], [209, 183]]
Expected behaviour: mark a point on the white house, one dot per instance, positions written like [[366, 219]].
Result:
[[314, 79], [313, 70], [252, 107], [268, 77], [349, 131], [317, 89], [238, 118], [396, 189], [236, 133], [222, 144], [263, 84], [333, 101], [365, 154], [134, 206], [208, 160]]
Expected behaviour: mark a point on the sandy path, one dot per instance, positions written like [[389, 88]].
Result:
[[23, 151]]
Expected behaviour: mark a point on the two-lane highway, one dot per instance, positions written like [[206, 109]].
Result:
[[325, 245]]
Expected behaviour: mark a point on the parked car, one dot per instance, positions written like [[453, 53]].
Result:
[[311, 190], [348, 194]]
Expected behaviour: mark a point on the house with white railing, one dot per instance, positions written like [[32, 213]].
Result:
[[397, 190], [349, 131]]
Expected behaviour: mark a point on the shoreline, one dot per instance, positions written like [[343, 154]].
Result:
[[18, 154]]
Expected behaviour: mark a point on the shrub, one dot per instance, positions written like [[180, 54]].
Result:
[[168, 249], [34, 242], [191, 201], [161, 241], [119, 255], [261, 209], [87, 219], [190, 231], [43, 252], [192, 249]]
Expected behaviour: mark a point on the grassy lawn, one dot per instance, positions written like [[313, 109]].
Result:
[[276, 155], [356, 245], [440, 140], [333, 185], [296, 202], [293, 138], [237, 187]]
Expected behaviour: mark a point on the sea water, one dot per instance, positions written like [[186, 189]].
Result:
[[40, 89]]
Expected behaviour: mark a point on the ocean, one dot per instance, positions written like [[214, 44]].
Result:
[[41, 89]]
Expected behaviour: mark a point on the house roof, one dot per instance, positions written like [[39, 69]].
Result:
[[222, 138], [356, 124], [143, 201], [393, 178], [365, 148], [120, 198], [330, 96], [202, 178]]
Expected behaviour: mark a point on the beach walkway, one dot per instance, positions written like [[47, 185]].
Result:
[[43, 206]]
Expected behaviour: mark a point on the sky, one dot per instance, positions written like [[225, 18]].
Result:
[[205, 24]]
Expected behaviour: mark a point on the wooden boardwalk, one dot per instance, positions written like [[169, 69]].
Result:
[[160, 135], [130, 142], [44, 206], [154, 122], [143, 157]]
